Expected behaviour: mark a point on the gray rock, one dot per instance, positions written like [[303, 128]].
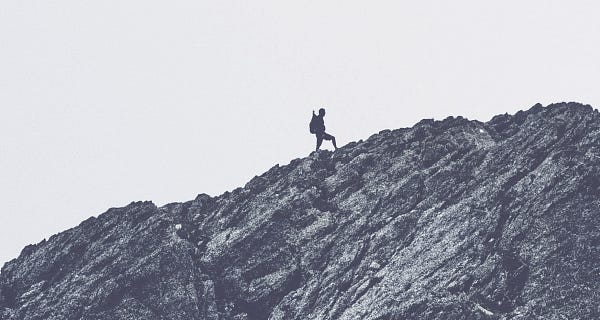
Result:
[[451, 219]]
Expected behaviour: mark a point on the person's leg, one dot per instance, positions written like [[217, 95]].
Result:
[[319, 141], [328, 137]]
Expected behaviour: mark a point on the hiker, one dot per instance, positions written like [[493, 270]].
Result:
[[317, 126]]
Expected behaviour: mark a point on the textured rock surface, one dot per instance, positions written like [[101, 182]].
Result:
[[451, 219]]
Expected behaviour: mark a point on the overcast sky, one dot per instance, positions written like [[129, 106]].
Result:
[[108, 102]]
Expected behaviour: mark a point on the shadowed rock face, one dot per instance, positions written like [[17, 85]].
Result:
[[450, 219]]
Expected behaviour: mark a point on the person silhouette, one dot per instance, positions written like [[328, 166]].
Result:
[[319, 129]]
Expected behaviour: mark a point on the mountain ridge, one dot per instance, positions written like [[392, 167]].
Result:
[[436, 221]]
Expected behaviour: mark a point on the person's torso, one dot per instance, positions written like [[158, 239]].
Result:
[[320, 124]]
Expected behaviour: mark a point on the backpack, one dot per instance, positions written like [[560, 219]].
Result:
[[313, 124]]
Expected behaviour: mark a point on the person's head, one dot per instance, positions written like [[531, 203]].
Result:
[[321, 112]]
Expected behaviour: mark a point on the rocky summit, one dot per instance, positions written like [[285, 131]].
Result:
[[452, 219]]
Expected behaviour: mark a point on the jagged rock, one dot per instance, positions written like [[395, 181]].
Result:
[[374, 265], [451, 219]]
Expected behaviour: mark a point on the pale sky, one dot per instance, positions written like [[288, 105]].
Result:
[[108, 102]]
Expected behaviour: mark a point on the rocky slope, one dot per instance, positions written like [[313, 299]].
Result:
[[451, 219]]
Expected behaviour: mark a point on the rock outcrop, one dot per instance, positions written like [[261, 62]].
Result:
[[451, 219]]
